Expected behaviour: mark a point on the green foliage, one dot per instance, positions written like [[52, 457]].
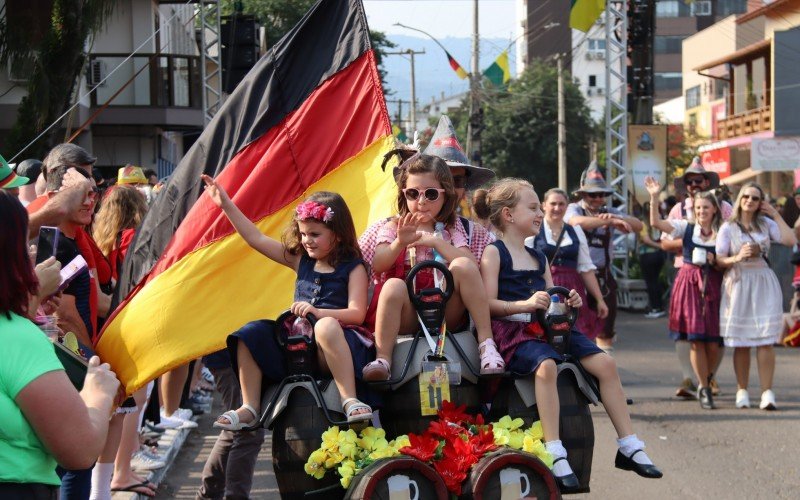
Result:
[[520, 131], [57, 62]]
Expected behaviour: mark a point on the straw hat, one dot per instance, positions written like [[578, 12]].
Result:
[[696, 168], [592, 181], [130, 174]]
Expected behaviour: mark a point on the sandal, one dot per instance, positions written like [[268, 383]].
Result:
[[491, 361], [235, 423], [351, 405], [377, 371]]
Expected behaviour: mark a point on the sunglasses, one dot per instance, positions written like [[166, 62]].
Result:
[[459, 181], [695, 181], [751, 197], [596, 195], [430, 194]]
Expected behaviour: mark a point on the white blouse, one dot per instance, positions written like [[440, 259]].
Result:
[[697, 238], [584, 259]]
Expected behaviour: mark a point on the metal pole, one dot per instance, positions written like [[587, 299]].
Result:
[[562, 127], [474, 82], [413, 96]]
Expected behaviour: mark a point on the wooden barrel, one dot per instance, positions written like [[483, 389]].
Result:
[[296, 433], [401, 414], [510, 475], [405, 477], [575, 422]]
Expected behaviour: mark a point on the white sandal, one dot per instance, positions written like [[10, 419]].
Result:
[[351, 405], [235, 423], [491, 361]]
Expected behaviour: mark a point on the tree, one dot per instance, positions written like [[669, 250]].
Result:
[[59, 56], [519, 137], [279, 16]]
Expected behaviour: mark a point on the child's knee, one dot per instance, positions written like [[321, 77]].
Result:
[[326, 328], [463, 265], [606, 366], [394, 290], [547, 370]]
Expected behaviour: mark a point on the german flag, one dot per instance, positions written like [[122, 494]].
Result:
[[310, 116], [456, 67]]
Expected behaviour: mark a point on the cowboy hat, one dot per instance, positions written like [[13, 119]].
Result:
[[444, 144], [592, 181], [696, 168]]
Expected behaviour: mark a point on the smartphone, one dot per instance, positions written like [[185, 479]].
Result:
[[47, 244]]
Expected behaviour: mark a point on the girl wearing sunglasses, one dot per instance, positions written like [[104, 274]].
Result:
[[426, 195], [751, 311]]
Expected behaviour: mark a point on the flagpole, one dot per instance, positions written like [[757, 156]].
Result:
[[474, 125]]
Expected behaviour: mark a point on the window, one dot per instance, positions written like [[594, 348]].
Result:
[[720, 89], [693, 123], [592, 80], [672, 8], [693, 97], [701, 8], [727, 7], [666, 44], [669, 81], [597, 45]]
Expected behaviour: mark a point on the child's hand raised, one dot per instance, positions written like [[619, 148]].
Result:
[[539, 300], [407, 229], [215, 191]]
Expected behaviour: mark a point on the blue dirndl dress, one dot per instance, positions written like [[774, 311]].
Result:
[[523, 350]]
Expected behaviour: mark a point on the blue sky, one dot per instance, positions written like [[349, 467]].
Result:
[[443, 18]]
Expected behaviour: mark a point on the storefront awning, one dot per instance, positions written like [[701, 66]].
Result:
[[740, 177], [738, 56]]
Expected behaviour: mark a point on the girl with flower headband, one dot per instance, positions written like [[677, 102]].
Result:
[[426, 195], [320, 246], [515, 278]]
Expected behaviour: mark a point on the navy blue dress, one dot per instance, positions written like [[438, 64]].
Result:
[[323, 291], [522, 349]]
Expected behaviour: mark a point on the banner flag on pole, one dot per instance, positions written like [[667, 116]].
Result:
[[456, 67], [310, 116], [583, 13], [499, 72]]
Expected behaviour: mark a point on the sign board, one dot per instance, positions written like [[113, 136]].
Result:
[[647, 156], [775, 154], [717, 160]]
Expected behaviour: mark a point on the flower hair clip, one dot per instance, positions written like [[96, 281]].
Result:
[[313, 210]]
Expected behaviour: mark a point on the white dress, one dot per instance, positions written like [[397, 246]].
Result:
[[751, 311]]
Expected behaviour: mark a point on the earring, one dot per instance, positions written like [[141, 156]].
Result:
[[512, 220]]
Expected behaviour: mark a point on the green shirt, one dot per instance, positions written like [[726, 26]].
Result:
[[27, 354]]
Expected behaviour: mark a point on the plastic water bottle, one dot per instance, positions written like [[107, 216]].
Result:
[[558, 314], [438, 232], [556, 306], [302, 326]]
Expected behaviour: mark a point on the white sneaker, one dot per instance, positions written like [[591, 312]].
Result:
[[743, 399], [182, 423], [768, 400], [140, 461], [655, 314]]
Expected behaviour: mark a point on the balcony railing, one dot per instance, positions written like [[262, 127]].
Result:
[[156, 80], [749, 122]]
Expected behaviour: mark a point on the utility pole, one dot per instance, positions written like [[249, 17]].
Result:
[[562, 127], [413, 114], [473, 125]]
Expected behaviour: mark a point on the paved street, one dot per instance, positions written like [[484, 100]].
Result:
[[726, 453]]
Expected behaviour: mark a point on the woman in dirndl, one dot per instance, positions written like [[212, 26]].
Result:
[[567, 252], [695, 298], [751, 311]]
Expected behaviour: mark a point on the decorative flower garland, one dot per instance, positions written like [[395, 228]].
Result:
[[452, 445], [314, 210]]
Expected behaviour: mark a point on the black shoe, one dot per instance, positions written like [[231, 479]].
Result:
[[566, 483], [706, 400], [644, 470]]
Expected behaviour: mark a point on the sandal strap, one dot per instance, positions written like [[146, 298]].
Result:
[[232, 417], [488, 342], [252, 410], [350, 405]]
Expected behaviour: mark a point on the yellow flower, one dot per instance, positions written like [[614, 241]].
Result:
[[508, 423], [501, 436], [332, 459], [372, 439], [347, 470], [383, 452], [330, 438], [515, 439], [347, 443], [535, 431], [400, 442], [315, 465], [535, 447]]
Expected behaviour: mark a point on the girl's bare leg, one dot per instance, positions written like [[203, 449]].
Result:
[[604, 368]]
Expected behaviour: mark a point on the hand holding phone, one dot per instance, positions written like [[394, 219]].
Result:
[[47, 243]]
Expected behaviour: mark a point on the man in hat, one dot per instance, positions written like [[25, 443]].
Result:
[[695, 179], [31, 169], [599, 221]]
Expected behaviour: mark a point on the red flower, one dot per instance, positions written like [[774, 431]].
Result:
[[459, 452], [421, 447], [443, 429], [483, 441], [452, 413], [452, 475]]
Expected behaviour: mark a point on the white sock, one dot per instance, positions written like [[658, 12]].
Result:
[[683, 348], [101, 481], [561, 468], [629, 444]]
